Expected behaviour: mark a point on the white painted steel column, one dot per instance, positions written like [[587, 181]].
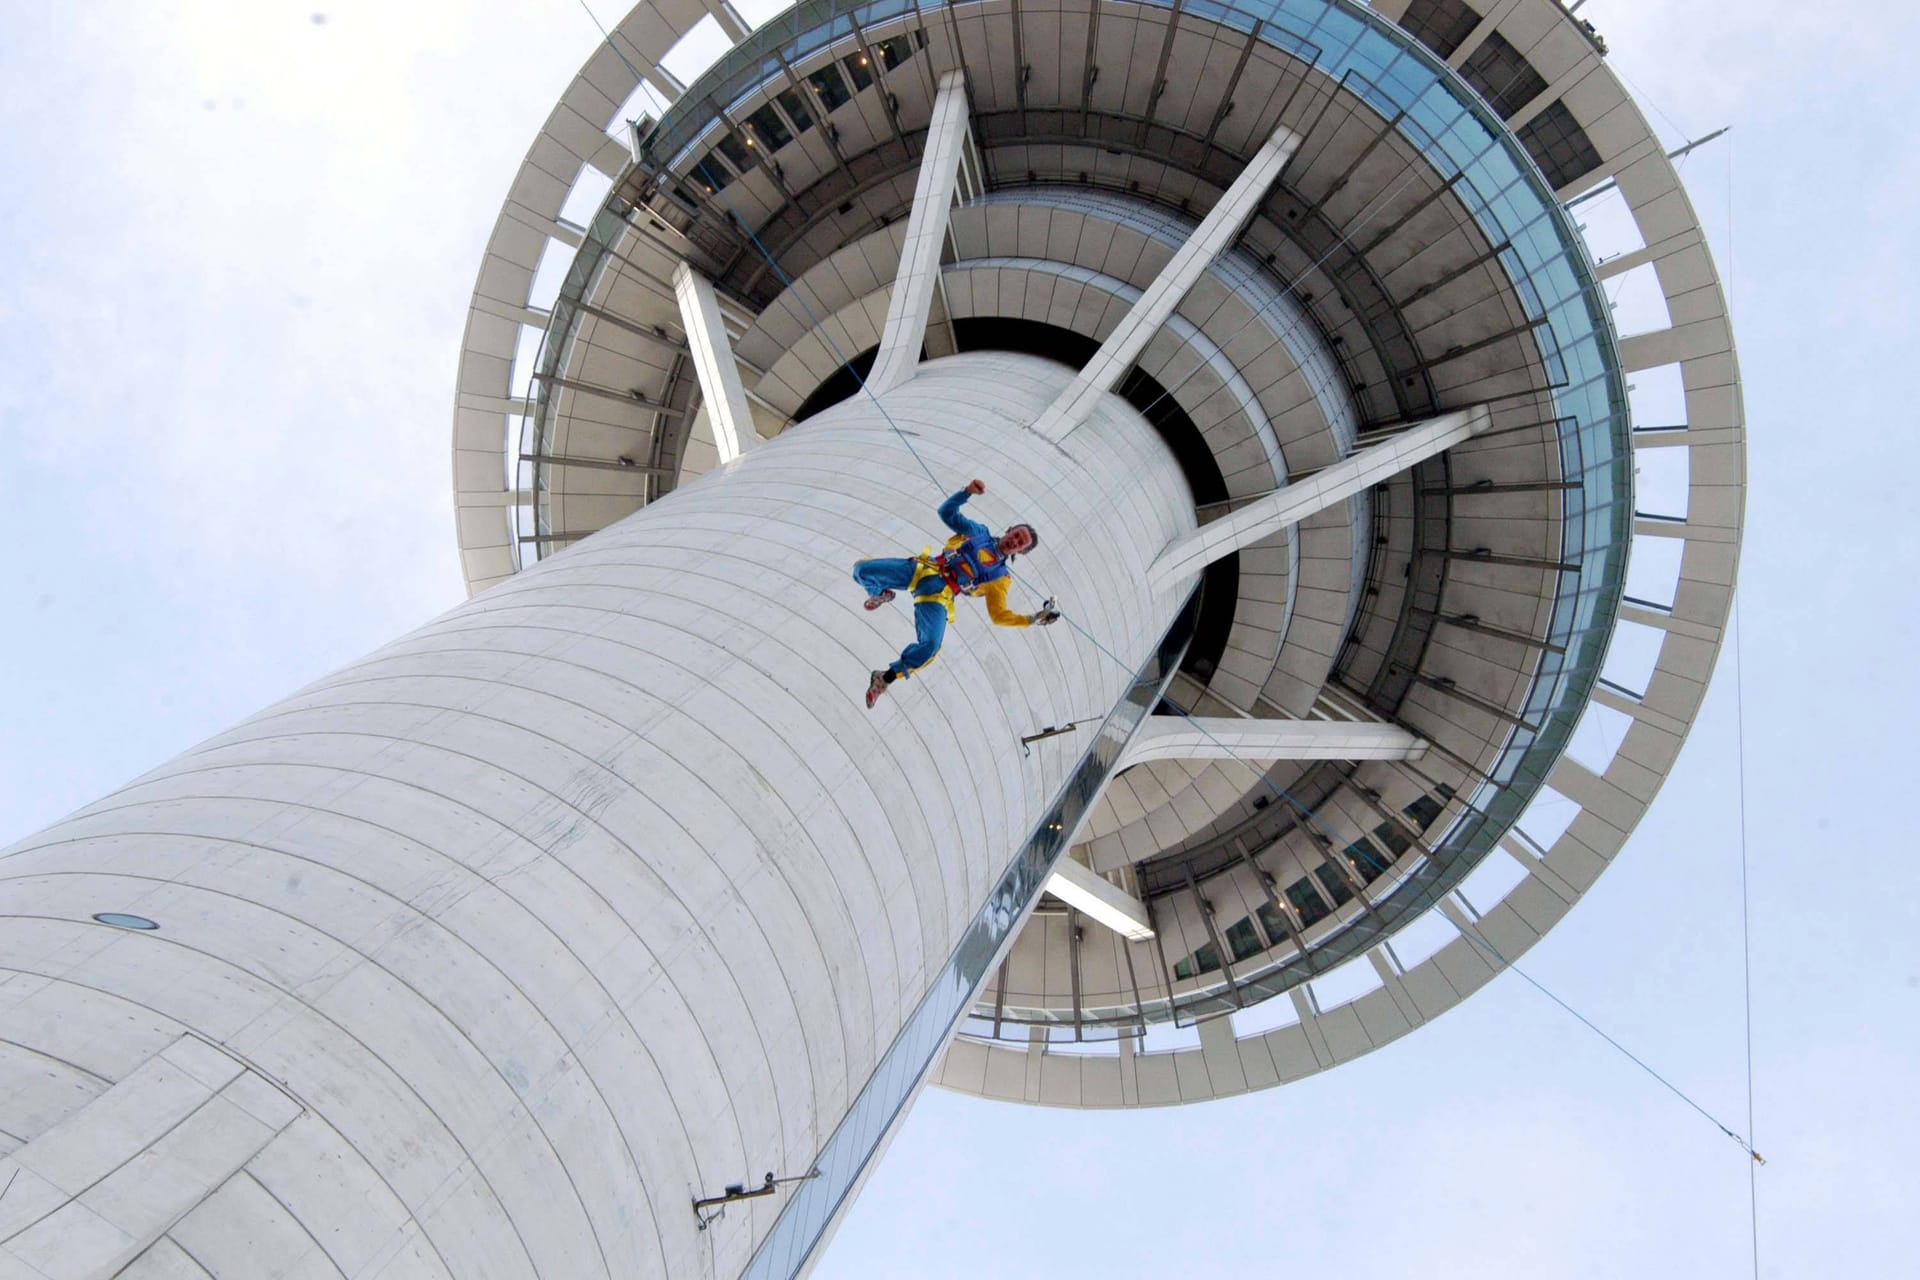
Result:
[[1172, 738], [720, 386], [603, 890], [1190, 261], [1293, 503], [933, 192]]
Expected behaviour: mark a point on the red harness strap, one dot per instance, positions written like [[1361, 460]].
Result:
[[949, 564]]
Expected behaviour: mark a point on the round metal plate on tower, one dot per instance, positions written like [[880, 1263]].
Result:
[[121, 920]]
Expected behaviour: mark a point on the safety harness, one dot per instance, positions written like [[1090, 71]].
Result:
[[962, 570]]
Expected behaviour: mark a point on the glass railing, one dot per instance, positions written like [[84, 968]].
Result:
[[1546, 263], [924, 1036]]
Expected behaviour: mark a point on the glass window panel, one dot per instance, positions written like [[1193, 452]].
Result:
[[1242, 940], [1309, 906], [789, 100], [735, 150], [1335, 884], [1271, 921], [894, 50], [832, 89], [769, 128], [712, 174], [1424, 810]]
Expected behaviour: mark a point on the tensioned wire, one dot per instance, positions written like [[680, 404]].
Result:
[[1740, 710], [1305, 814]]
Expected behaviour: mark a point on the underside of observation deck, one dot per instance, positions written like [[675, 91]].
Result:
[[1414, 256]]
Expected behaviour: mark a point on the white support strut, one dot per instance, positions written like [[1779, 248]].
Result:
[[1293, 503], [1170, 738], [1124, 345], [1094, 896], [720, 386], [919, 273]]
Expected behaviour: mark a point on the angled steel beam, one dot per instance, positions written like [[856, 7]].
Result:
[[1137, 327], [595, 464], [913, 284], [633, 397], [719, 376], [1295, 502]]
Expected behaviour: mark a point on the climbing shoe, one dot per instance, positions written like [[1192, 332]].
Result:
[[876, 686], [874, 602]]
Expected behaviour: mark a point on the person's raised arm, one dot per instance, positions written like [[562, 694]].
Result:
[[960, 524]]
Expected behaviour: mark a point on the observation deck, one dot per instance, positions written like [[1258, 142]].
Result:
[[1505, 604]]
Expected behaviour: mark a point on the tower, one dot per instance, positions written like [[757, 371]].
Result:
[[495, 951]]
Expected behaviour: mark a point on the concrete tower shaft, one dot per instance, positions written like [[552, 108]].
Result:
[[601, 896], [598, 893]]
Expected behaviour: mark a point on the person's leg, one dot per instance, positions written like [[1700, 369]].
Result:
[[930, 628], [889, 574]]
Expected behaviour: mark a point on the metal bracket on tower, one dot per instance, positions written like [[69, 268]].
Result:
[[1050, 731], [738, 1191]]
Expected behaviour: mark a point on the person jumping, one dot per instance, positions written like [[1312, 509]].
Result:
[[973, 563]]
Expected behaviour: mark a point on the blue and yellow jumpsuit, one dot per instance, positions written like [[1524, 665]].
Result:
[[973, 554]]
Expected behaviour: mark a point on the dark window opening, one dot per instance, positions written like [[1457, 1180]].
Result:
[[1242, 940], [1205, 960], [1308, 905], [832, 89], [1271, 921], [770, 128], [1502, 75], [1335, 884], [894, 50], [711, 173], [789, 100], [857, 70], [1368, 862], [1441, 25], [736, 152], [1424, 810], [1559, 146], [1391, 835]]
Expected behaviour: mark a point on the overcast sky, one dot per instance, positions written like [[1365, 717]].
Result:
[[239, 243]]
